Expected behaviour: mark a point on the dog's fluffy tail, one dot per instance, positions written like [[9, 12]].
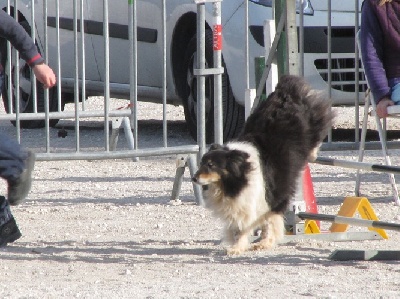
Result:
[[295, 111], [316, 106]]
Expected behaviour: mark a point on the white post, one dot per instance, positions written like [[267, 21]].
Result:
[[269, 35]]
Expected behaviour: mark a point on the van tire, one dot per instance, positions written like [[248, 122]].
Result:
[[233, 113]]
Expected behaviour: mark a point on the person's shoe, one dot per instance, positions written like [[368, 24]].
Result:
[[9, 232], [19, 189]]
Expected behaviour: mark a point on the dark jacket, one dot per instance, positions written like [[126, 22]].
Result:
[[16, 34], [380, 45]]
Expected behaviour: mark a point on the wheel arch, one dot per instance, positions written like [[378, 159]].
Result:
[[21, 17]]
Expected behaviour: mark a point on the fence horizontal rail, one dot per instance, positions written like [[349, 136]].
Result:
[[358, 165], [346, 146], [124, 154], [65, 115]]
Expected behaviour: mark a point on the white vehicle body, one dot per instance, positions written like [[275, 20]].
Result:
[[180, 28]]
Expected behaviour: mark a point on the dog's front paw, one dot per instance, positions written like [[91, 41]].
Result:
[[234, 251], [263, 244], [240, 246]]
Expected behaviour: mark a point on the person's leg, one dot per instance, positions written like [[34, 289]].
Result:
[[9, 231], [19, 188], [16, 166], [12, 158]]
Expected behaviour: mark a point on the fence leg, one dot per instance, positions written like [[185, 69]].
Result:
[[181, 163], [180, 171], [129, 136], [196, 188], [115, 127]]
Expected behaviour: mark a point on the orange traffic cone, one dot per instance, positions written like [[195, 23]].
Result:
[[308, 192], [303, 200]]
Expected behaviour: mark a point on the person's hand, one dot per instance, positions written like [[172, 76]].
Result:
[[381, 108], [45, 75]]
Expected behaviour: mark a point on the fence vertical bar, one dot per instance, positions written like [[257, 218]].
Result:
[[46, 90], [76, 77], [33, 77], [58, 58], [106, 35], [83, 56], [133, 67], [357, 73], [246, 45], [8, 69], [217, 49], [17, 82], [164, 73], [201, 63], [329, 45]]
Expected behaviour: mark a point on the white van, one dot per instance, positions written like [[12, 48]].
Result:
[[181, 50]]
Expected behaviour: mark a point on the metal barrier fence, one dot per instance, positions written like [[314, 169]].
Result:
[[75, 41], [51, 25]]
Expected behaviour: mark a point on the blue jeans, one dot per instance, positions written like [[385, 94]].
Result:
[[12, 158], [396, 94], [11, 163], [394, 84]]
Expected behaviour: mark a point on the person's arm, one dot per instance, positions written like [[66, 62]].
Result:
[[20, 39], [371, 38]]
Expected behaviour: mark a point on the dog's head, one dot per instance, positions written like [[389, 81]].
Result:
[[221, 164]]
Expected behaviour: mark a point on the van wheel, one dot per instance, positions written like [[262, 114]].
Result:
[[233, 113], [26, 100]]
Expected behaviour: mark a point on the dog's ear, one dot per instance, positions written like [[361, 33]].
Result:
[[238, 156], [215, 146], [237, 162]]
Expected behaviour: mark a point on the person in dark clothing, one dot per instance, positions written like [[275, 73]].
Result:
[[17, 163], [380, 48]]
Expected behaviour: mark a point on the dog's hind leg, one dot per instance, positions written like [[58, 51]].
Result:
[[272, 232], [314, 153]]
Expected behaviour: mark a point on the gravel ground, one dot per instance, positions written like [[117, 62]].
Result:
[[107, 229]]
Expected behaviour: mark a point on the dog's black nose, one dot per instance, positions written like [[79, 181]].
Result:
[[194, 179]]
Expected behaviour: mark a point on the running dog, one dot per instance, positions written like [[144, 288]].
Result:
[[249, 182]]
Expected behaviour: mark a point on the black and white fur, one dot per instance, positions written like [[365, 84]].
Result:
[[248, 183]]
